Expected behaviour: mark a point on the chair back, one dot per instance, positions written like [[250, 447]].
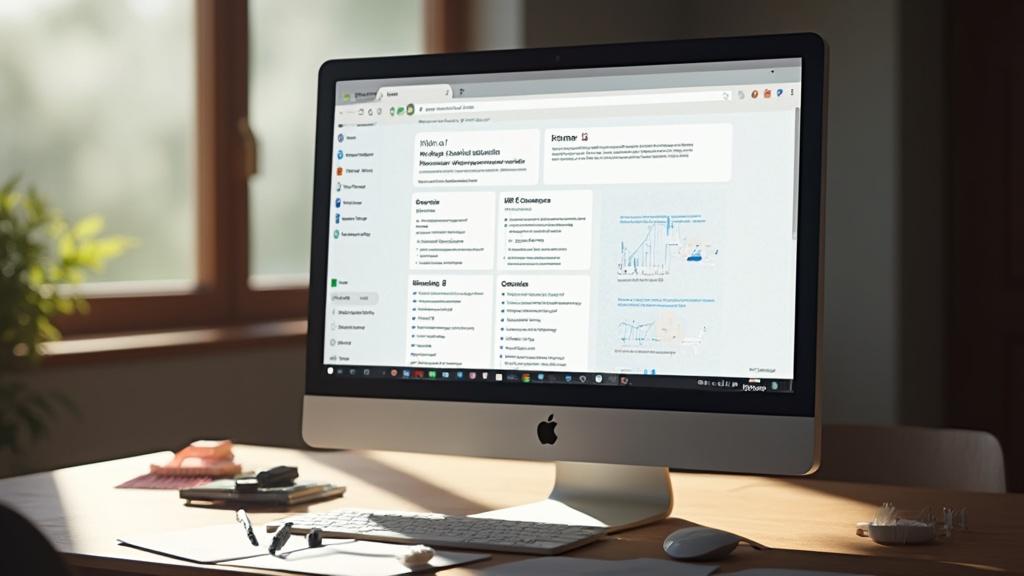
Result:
[[945, 458]]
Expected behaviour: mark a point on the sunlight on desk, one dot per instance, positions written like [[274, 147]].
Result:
[[807, 523]]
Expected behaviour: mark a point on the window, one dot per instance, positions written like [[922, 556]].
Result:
[[97, 101], [282, 111], [142, 111]]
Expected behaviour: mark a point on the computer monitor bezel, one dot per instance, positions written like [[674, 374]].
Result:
[[802, 403]]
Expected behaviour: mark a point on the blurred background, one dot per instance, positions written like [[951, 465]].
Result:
[[188, 125]]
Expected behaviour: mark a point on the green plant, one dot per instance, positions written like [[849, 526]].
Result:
[[41, 256]]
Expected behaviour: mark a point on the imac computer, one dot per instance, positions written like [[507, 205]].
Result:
[[608, 257]]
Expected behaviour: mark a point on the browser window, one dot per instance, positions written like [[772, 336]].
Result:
[[598, 227]]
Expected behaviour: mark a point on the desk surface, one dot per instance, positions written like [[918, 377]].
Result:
[[807, 523]]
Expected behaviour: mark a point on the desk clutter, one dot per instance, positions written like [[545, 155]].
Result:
[[206, 471], [198, 463], [361, 542], [226, 492]]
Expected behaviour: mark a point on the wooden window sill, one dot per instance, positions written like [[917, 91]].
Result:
[[148, 344]]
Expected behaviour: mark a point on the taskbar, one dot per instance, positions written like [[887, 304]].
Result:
[[648, 380]]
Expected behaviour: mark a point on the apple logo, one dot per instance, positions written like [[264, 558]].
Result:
[[546, 431]]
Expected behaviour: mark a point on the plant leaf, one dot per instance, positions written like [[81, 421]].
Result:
[[88, 227], [39, 252]]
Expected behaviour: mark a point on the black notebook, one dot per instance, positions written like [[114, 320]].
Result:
[[224, 491]]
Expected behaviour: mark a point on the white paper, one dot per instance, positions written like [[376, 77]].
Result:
[[786, 572], [209, 544], [355, 558], [563, 565]]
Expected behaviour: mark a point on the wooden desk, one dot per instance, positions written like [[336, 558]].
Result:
[[808, 523]]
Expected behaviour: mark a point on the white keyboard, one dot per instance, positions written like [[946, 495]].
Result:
[[443, 531]]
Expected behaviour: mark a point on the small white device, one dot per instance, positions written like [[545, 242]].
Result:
[[418, 555]]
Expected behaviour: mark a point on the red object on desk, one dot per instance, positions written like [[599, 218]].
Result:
[[207, 458]]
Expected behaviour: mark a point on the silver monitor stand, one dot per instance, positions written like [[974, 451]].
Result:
[[618, 496]]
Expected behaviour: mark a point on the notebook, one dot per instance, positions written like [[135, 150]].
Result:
[[224, 491]]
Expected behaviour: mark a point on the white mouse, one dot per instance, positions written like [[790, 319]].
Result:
[[700, 543]]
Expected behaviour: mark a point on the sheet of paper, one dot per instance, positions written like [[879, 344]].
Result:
[[563, 565], [785, 572], [550, 565], [353, 558], [660, 567], [209, 544]]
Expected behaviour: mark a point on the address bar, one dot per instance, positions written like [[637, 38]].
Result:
[[455, 107]]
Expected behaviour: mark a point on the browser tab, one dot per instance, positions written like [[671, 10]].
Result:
[[423, 92], [354, 96]]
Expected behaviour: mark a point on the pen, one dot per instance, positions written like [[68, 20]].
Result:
[[280, 538], [243, 519]]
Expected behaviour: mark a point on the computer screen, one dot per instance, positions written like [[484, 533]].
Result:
[[616, 236]]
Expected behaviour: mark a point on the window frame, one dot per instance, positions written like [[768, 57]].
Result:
[[223, 295]]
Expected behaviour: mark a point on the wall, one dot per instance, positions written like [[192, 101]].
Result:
[[925, 226], [496, 24], [869, 323], [138, 406]]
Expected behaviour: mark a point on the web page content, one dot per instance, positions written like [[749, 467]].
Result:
[[537, 235]]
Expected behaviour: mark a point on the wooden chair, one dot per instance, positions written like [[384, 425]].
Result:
[[932, 457]]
